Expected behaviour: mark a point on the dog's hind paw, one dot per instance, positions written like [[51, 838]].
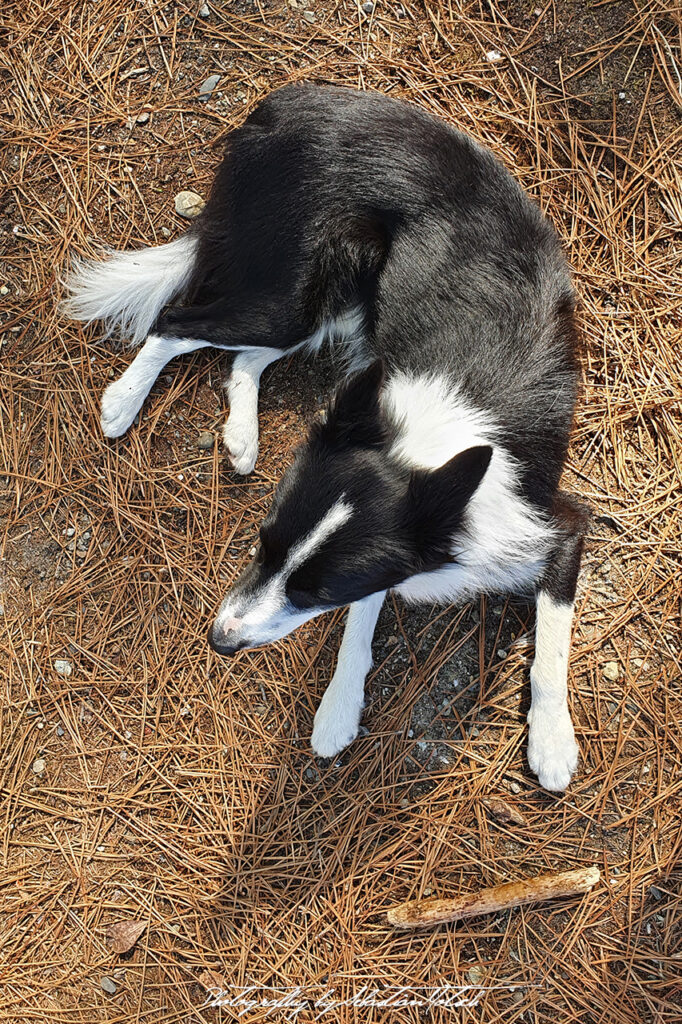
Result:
[[552, 750], [336, 725], [120, 405], [240, 438]]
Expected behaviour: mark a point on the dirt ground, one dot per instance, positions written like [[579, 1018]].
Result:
[[144, 780]]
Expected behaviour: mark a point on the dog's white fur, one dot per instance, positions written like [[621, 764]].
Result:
[[240, 435], [552, 750], [124, 397], [128, 290], [338, 716]]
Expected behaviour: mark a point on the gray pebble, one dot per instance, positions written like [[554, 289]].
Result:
[[62, 667], [206, 440], [60, 731], [39, 765], [207, 86], [368, 8], [165, 232], [204, 12], [107, 985], [143, 117], [189, 204], [309, 16], [611, 671]]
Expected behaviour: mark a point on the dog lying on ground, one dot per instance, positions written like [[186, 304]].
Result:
[[363, 221]]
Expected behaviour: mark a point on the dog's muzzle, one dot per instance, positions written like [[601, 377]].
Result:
[[224, 642]]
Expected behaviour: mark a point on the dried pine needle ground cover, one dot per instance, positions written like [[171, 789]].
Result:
[[158, 784]]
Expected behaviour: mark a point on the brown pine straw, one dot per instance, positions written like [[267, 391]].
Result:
[[183, 792]]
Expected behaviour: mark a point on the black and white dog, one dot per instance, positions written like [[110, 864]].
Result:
[[361, 220]]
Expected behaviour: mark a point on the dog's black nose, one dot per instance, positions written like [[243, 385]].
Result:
[[222, 644]]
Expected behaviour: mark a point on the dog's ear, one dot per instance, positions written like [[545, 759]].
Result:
[[436, 500], [353, 418]]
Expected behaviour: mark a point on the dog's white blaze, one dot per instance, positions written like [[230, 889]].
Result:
[[505, 539], [266, 607], [552, 750], [330, 522], [128, 290]]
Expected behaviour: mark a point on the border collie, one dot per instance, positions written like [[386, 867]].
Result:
[[363, 221]]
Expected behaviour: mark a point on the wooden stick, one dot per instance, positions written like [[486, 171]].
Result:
[[425, 913]]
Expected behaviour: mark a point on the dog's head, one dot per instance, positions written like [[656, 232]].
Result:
[[349, 519]]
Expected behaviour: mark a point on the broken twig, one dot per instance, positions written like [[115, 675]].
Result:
[[425, 913]]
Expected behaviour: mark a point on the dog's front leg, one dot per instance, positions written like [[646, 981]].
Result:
[[338, 716], [552, 750]]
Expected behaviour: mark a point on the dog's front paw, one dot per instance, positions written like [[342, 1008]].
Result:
[[120, 406], [552, 750], [336, 725], [240, 437]]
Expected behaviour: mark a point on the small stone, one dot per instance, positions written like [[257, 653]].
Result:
[[107, 985], [143, 117], [514, 787], [476, 975], [404, 803], [655, 892], [493, 56], [206, 440], [39, 765], [165, 232], [189, 204], [368, 8], [204, 11], [208, 85], [60, 731], [4, 290], [62, 667], [309, 16], [611, 671], [501, 653]]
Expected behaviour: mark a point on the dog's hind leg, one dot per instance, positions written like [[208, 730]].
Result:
[[552, 750], [338, 716], [241, 430], [123, 399]]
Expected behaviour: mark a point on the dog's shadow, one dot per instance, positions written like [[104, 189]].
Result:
[[445, 683]]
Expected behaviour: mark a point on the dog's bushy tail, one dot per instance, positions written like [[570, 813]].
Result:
[[128, 290]]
